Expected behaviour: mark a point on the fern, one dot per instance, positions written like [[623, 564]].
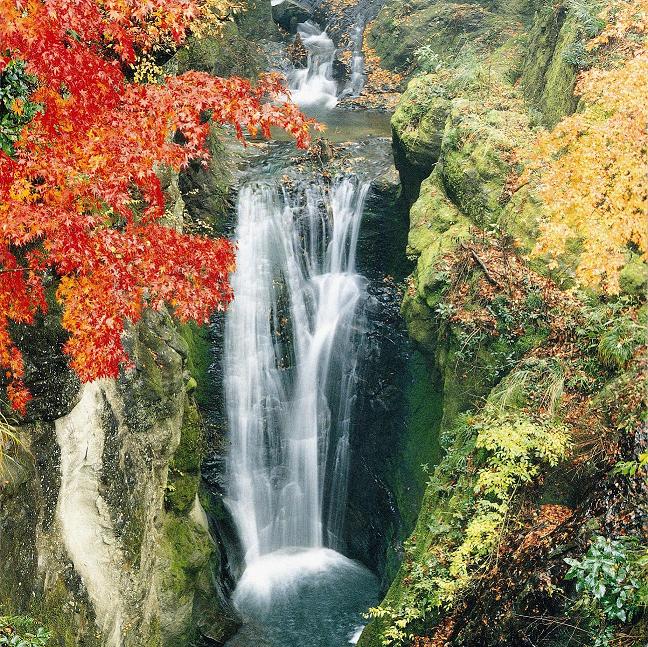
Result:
[[619, 343]]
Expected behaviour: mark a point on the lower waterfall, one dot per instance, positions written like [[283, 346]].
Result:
[[293, 340]]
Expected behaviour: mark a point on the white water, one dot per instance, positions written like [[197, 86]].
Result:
[[291, 355], [292, 342], [311, 597], [357, 80], [315, 85]]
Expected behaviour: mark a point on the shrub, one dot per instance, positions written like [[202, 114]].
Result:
[[612, 584], [20, 631]]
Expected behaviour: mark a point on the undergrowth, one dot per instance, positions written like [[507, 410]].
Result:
[[611, 582], [567, 388], [21, 631]]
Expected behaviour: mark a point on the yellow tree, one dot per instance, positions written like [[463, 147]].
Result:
[[593, 167]]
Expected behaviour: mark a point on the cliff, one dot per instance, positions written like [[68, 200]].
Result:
[[535, 414], [104, 539]]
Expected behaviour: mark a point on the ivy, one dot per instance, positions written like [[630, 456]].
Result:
[[612, 584], [20, 631]]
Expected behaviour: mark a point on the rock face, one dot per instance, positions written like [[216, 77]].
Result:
[[417, 126], [101, 539], [455, 133]]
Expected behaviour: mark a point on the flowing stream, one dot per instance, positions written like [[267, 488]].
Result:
[[292, 358]]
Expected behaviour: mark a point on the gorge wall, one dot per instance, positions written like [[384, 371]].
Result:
[[498, 332], [103, 533]]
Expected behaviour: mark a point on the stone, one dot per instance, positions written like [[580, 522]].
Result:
[[289, 13]]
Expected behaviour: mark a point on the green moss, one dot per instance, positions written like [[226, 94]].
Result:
[[256, 22], [434, 222], [422, 449], [418, 125], [400, 29], [634, 278], [547, 77], [188, 456], [184, 471], [229, 54], [70, 625], [198, 360], [475, 158], [188, 548], [181, 492]]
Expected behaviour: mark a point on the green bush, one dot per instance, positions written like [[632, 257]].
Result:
[[16, 86], [612, 585], [20, 631]]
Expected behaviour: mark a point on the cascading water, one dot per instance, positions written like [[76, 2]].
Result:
[[357, 80], [314, 85], [292, 342]]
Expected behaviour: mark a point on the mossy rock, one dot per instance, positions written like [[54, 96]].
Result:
[[184, 470], [447, 500], [71, 623], [431, 217], [475, 158], [159, 353], [437, 227], [206, 188], [199, 360], [397, 31], [257, 22], [185, 551], [229, 54], [52, 384], [289, 13], [417, 127], [189, 548], [547, 78]]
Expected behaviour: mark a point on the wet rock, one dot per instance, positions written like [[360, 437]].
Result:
[[297, 52], [340, 70], [289, 13], [48, 377], [322, 150]]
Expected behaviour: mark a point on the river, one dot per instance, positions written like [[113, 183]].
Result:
[[292, 363]]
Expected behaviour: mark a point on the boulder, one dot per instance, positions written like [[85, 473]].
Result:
[[289, 13]]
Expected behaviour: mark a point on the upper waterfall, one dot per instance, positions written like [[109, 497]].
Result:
[[314, 85]]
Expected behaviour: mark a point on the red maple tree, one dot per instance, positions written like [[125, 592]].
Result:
[[80, 199]]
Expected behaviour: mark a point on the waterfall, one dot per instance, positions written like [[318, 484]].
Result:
[[314, 85], [292, 340], [357, 80]]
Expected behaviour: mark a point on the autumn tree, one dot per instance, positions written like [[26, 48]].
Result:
[[592, 168], [80, 201]]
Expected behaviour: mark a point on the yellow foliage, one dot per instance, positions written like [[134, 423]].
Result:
[[147, 71], [622, 17], [214, 14], [593, 167]]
